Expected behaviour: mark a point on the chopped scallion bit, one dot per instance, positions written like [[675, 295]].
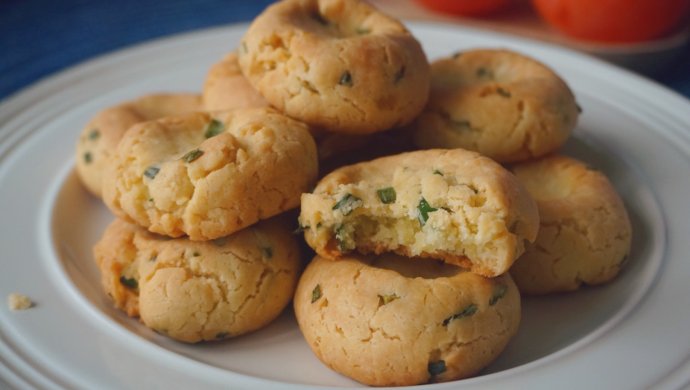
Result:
[[345, 79], [192, 155], [214, 128], [129, 282], [386, 195], [151, 172], [94, 134], [347, 203], [316, 293], [437, 367], [399, 74], [424, 209], [466, 312], [503, 92], [387, 298], [499, 292]]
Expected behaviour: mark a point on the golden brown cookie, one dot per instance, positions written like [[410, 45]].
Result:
[[338, 65], [226, 88], [198, 291], [388, 321], [585, 232], [209, 175], [100, 136], [454, 205], [502, 104]]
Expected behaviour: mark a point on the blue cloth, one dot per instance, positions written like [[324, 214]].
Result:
[[40, 37]]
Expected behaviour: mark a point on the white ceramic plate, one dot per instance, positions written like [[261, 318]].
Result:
[[632, 333]]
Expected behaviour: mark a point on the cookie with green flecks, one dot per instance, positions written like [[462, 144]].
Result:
[[388, 321], [585, 232], [100, 136], [454, 205], [200, 291], [502, 104], [208, 175], [342, 66]]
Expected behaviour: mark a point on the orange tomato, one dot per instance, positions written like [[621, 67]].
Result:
[[466, 7], [614, 20]]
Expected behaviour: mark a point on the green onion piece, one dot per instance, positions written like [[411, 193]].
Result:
[[386, 195], [345, 79], [151, 172], [436, 368], [499, 292], [94, 134], [192, 155], [342, 239], [503, 92], [485, 73], [267, 252], [437, 172], [129, 282], [214, 128], [347, 203], [362, 31], [88, 157], [424, 210], [466, 312], [316, 293], [399, 74], [222, 335], [386, 299]]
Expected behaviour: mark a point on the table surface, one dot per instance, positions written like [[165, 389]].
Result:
[[41, 37]]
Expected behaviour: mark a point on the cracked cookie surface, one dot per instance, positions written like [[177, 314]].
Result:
[[198, 291], [100, 136], [502, 104], [453, 205], [338, 65], [208, 175], [389, 321], [226, 88], [585, 232]]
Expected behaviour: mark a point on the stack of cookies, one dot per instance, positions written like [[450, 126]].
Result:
[[199, 250], [441, 197]]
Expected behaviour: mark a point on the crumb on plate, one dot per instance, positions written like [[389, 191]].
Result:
[[18, 301]]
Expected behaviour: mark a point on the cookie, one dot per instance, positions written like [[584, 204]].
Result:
[[453, 205], [388, 321], [338, 65], [502, 104], [198, 291], [208, 175], [585, 232], [100, 136], [225, 88]]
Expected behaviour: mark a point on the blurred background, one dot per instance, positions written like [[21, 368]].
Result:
[[41, 37]]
